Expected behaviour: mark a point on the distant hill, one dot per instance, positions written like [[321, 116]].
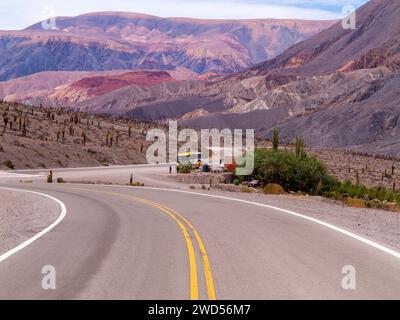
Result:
[[125, 41]]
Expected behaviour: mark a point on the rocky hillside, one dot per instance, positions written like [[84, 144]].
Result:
[[38, 137], [116, 40], [339, 89]]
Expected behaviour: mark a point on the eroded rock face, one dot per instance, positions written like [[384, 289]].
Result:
[[338, 89], [115, 40]]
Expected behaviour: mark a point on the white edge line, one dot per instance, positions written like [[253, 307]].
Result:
[[40, 234], [110, 167], [320, 222]]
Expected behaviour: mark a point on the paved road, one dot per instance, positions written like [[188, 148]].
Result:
[[131, 243], [147, 174]]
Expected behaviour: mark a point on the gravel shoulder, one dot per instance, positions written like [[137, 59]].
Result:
[[22, 215], [380, 226]]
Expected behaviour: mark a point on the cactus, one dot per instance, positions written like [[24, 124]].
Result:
[[84, 138], [24, 128], [117, 138], [299, 146], [275, 139], [50, 177], [5, 120]]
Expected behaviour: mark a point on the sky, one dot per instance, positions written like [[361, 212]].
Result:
[[19, 14]]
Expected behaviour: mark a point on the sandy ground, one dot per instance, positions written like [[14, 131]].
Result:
[[22, 215]]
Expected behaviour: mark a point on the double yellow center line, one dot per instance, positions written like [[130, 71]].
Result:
[[182, 222]]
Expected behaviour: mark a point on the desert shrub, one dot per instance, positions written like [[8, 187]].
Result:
[[9, 164], [305, 173], [247, 190], [397, 198], [273, 188], [356, 203], [185, 168], [137, 184], [60, 180], [356, 195], [192, 187]]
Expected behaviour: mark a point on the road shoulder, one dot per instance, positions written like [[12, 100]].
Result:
[[22, 215]]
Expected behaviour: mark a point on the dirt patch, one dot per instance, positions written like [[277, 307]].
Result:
[[200, 178]]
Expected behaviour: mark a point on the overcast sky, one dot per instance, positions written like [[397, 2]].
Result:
[[18, 14]]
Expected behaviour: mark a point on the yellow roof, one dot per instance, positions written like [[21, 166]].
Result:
[[188, 154]]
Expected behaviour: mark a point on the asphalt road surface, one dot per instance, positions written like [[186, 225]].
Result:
[[147, 174], [135, 243]]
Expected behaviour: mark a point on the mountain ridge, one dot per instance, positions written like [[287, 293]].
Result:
[[107, 41]]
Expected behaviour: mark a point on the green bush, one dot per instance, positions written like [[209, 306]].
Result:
[[9, 164], [185, 168], [298, 171], [373, 197], [294, 173]]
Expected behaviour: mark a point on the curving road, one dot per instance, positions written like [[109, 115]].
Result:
[[135, 243]]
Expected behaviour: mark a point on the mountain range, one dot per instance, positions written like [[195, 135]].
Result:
[[338, 89], [106, 41]]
